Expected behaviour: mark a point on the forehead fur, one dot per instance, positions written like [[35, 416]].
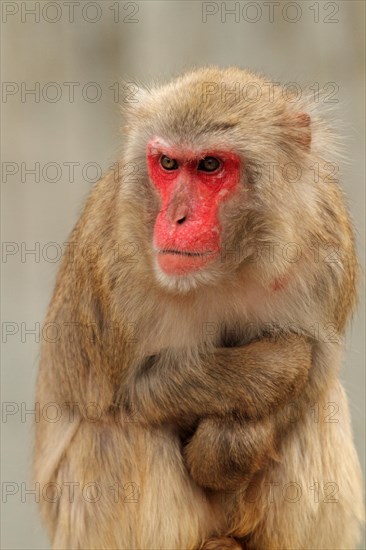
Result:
[[214, 105]]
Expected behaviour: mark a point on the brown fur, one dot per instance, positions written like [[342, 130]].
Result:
[[222, 543], [200, 422]]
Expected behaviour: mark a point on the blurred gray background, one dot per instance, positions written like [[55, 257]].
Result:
[[68, 128]]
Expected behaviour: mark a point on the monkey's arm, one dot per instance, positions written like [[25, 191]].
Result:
[[230, 449], [251, 379]]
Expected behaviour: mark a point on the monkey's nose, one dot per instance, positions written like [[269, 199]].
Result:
[[178, 213]]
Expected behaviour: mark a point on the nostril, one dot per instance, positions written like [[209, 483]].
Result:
[[181, 220]]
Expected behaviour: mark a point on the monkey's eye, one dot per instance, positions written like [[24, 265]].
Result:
[[208, 164], [168, 163]]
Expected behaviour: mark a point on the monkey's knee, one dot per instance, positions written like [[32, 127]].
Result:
[[221, 543], [225, 452]]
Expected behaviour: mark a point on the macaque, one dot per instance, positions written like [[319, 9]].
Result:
[[200, 310]]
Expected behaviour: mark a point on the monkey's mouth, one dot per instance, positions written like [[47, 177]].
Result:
[[183, 262], [184, 252]]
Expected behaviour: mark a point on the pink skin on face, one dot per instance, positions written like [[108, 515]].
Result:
[[187, 230]]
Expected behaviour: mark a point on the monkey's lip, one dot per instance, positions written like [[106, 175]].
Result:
[[184, 252], [182, 262]]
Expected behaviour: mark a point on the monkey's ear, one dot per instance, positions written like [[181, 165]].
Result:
[[303, 130]]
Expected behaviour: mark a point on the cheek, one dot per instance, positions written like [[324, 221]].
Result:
[[162, 180]]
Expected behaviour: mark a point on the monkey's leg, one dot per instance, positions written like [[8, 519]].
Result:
[[115, 485], [311, 497], [221, 543], [226, 451]]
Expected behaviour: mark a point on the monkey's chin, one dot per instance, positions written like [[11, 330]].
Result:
[[189, 280], [181, 264]]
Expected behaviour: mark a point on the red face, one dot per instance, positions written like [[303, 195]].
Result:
[[192, 186]]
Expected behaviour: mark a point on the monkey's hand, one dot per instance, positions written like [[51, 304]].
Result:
[[225, 452], [252, 379]]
